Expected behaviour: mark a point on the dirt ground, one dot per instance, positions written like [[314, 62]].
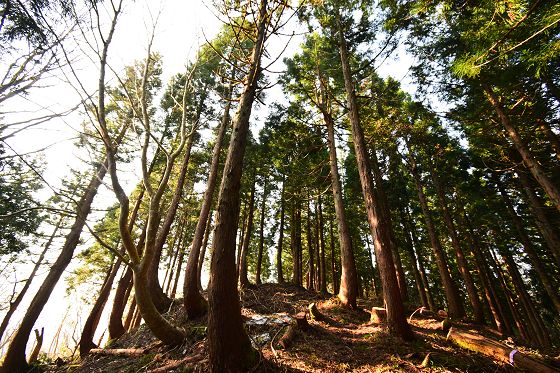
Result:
[[346, 341]]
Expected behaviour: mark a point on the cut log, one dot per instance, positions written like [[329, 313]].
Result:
[[287, 337], [301, 321], [378, 315], [118, 351], [496, 350]]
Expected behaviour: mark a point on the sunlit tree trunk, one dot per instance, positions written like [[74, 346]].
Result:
[[280, 238], [243, 279], [528, 159]]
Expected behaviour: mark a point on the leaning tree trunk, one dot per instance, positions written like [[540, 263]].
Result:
[[549, 285], [14, 360], [462, 263], [86, 339], [229, 346], [348, 282], [454, 303], [528, 159], [547, 229], [13, 304], [396, 319], [194, 302]]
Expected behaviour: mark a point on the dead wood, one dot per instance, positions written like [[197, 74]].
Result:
[[496, 350], [288, 337], [38, 345], [314, 313], [177, 363], [118, 351]]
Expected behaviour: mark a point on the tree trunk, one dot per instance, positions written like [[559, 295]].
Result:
[[229, 346], [243, 279], [550, 234], [548, 283], [261, 236], [16, 302], [195, 304], [160, 299], [421, 268], [348, 282], [454, 303], [528, 159], [281, 238], [386, 217], [38, 344], [333, 265], [116, 328], [414, 263], [203, 251], [88, 331], [462, 263], [14, 360], [396, 318]]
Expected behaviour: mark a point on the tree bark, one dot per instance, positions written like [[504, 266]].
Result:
[[414, 262], [261, 236], [281, 237], [194, 302], [550, 287], [348, 282], [333, 265], [88, 331], [462, 263], [229, 346], [528, 159], [550, 234], [16, 302], [454, 303], [396, 318], [203, 251], [14, 360], [243, 279]]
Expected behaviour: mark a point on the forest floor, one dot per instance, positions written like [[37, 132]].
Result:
[[345, 342]]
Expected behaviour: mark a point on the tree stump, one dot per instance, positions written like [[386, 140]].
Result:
[[442, 313], [288, 337], [445, 324], [314, 313], [378, 315], [301, 321]]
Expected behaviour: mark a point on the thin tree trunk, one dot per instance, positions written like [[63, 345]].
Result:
[[194, 302], [414, 262], [333, 265], [88, 331], [421, 268], [14, 360], [462, 263], [454, 303], [203, 251], [550, 234], [16, 302], [311, 264], [281, 237], [116, 328], [552, 137], [243, 279], [528, 159], [348, 282], [261, 236], [549, 285]]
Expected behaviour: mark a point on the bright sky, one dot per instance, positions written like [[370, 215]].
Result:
[[181, 29]]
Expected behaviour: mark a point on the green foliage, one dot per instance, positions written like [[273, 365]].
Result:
[[19, 213]]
